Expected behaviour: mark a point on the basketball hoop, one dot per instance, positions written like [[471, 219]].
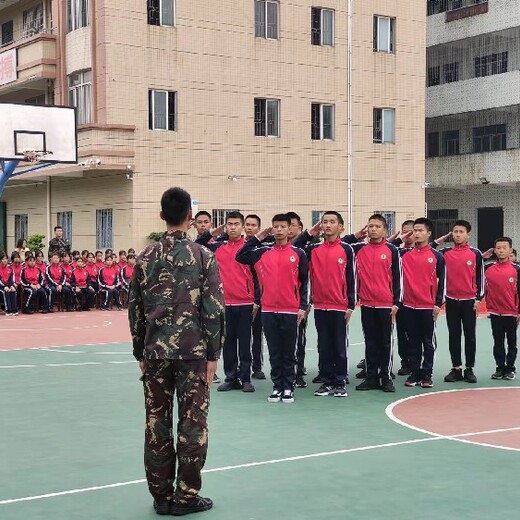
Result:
[[34, 156]]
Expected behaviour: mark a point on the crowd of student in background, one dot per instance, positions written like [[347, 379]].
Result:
[[76, 281]]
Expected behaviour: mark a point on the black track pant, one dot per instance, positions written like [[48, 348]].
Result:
[[85, 298], [377, 329], [504, 327], [300, 348], [256, 344], [9, 299], [420, 328], [280, 331], [39, 295], [66, 295], [237, 346], [332, 346], [460, 315], [403, 345]]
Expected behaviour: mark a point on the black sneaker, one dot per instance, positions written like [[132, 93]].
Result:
[[258, 375], [367, 384], [318, 380], [216, 379], [362, 364], [469, 376], [28, 311], [323, 390], [195, 505], [499, 374], [275, 397], [340, 391], [304, 371], [362, 374], [230, 385], [162, 506], [392, 375], [454, 376], [413, 380], [510, 375], [300, 382], [404, 371], [426, 382], [288, 396], [387, 386], [247, 387]]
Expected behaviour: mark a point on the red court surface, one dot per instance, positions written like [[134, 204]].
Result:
[[486, 416], [63, 329]]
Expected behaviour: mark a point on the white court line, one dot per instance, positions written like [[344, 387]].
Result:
[[104, 344], [54, 365]]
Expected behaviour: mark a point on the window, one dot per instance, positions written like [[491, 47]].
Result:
[[322, 122], [316, 216], [218, 216], [33, 21], [80, 95], [21, 227], [384, 125], [104, 228], [322, 26], [161, 12], [451, 72], [37, 100], [64, 219], [434, 76], [433, 144], [443, 221], [451, 142], [390, 220], [384, 34], [161, 110], [267, 117], [266, 19], [7, 33], [77, 14], [492, 64], [489, 138]]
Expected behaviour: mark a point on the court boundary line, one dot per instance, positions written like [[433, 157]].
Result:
[[390, 414], [59, 365], [66, 346]]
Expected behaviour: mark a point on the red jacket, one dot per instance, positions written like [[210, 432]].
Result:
[[100, 265], [31, 276], [503, 288], [68, 271], [80, 278], [6, 276], [332, 270], [93, 270], [17, 272], [108, 276], [55, 275], [282, 273], [464, 272], [125, 275], [424, 277], [378, 274]]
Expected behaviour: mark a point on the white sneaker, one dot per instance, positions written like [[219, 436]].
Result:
[[288, 396], [275, 397]]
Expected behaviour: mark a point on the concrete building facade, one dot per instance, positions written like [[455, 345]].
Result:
[[261, 106]]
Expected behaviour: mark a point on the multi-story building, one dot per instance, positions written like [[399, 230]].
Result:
[[259, 105], [473, 116]]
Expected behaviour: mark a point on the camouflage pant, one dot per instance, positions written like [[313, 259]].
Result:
[[162, 379]]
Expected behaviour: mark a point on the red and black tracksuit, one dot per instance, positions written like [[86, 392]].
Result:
[[93, 271], [125, 276], [33, 276], [109, 283], [17, 273], [80, 279], [332, 271], [424, 280], [7, 282], [379, 285], [464, 286], [502, 289], [282, 272], [239, 295], [56, 279]]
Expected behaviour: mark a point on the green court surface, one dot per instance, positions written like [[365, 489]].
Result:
[[72, 421]]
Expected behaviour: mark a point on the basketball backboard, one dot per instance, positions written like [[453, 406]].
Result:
[[48, 132]]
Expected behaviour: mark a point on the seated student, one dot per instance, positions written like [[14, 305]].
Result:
[[122, 260], [75, 255], [502, 289], [131, 251], [115, 263], [109, 284], [84, 255], [126, 272], [93, 271], [55, 276], [17, 266], [40, 263], [32, 282], [99, 259], [67, 267], [7, 286], [513, 256], [82, 286]]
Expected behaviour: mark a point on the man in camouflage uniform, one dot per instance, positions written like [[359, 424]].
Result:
[[58, 244], [176, 314]]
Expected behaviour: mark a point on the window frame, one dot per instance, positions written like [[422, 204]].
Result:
[[391, 34], [104, 240], [382, 140], [261, 29], [155, 13], [451, 68], [318, 127], [317, 33], [21, 225], [82, 91], [264, 124], [219, 216], [491, 134], [170, 115], [450, 143], [433, 143], [64, 219], [390, 218], [5, 25], [78, 14], [433, 77], [35, 26]]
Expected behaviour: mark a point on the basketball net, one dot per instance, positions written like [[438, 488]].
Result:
[[34, 156]]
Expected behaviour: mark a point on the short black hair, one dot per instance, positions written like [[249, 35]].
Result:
[[55, 253], [258, 219], [336, 214], [130, 256], [63, 255], [408, 222], [203, 212], [292, 215], [175, 206], [85, 252], [98, 252], [380, 218], [131, 250], [38, 252], [15, 254], [425, 222], [463, 223], [282, 217], [122, 252], [235, 214], [29, 257], [3, 255], [504, 239], [76, 253], [514, 252], [57, 227]]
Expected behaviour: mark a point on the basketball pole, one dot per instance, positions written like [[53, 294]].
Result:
[[8, 171]]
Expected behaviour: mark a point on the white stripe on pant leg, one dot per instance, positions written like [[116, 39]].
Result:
[[28, 301], [106, 298], [5, 300], [434, 343], [391, 362]]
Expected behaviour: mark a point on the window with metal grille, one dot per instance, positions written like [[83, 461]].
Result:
[[64, 219], [443, 221], [80, 95], [77, 14], [390, 220], [322, 26], [322, 122], [267, 113], [490, 65], [7, 33], [316, 216], [384, 125], [433, 144], [451, 142], [161, 12], [21, 227], [491, 138], [451, 72], [161, 110], [434, 76], [218, 216], [266, 19], [384, 34], [104, 228], [33, 21]]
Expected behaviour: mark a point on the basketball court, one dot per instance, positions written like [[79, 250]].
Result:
[[71, 436]]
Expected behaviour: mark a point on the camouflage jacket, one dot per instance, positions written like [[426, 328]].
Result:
[[176, 303], [58, 245]]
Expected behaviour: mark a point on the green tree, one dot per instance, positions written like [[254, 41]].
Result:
[[36, 242], [155, 236]]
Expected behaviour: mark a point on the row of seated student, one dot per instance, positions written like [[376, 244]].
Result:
[[70, 284]]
